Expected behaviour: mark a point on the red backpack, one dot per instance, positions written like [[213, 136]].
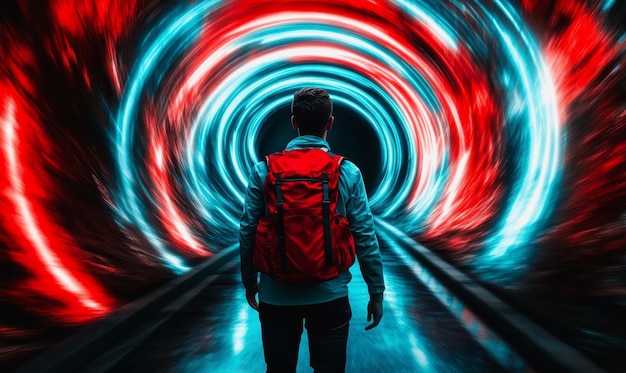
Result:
[[302, 239]]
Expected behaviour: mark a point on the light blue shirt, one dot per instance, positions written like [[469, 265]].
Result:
[[352, 204]]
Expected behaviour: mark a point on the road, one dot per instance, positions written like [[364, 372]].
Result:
[[424, 329]]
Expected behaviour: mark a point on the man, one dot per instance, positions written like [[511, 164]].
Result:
[[323, 306]]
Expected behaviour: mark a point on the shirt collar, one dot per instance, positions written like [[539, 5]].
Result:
[[308, 141]]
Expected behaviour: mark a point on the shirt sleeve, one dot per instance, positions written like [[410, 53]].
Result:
[[362, 226], [253, 210]]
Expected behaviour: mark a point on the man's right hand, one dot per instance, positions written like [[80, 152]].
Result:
[[251, 296], [374, 310]]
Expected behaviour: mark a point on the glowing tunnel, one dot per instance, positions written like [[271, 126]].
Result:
[[458, 95]]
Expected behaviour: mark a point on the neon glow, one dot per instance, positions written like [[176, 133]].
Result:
[[342, 52], [129, 129]]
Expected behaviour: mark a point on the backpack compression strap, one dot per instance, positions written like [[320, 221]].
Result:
[[326, 215], [280, 227], [280, 224], [326, 212]]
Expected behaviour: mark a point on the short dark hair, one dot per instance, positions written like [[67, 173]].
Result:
[[311, 108]]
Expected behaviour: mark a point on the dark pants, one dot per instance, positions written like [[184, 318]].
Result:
[[327, 326]]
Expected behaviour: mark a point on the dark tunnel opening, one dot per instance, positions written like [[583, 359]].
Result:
[[351, 136]]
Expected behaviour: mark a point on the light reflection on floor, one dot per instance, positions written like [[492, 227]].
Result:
[[492, 343], [218, 332]]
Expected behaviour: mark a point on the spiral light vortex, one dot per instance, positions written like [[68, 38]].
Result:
[[493, 132], [418, 73]]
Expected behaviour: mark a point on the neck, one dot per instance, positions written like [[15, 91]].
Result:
[[321, 135]]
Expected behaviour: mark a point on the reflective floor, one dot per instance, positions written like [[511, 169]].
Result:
[[424, 329]]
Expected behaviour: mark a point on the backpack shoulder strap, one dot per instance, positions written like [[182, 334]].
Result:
[[269, 170], [337, 158], [270, 156]]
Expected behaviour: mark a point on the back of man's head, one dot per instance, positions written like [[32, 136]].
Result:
[[311, 108]]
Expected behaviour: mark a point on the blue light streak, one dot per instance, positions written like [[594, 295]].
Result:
[[129, 206], [540, 159]]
